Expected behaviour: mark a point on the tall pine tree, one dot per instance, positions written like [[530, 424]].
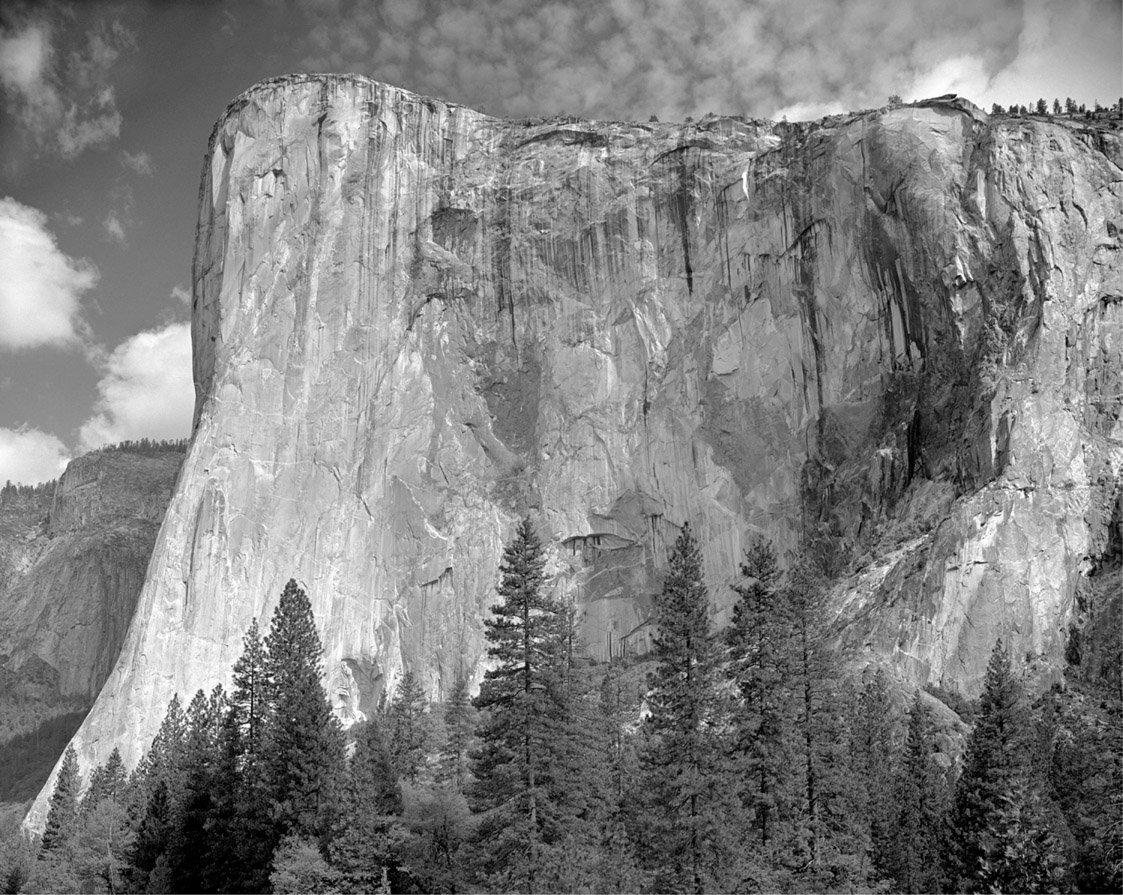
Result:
[[460, 724], [758, 650], [249, 703], [409, 727], [919, 792], [371, 802], [302, 743], [1000, 836], [523, 705], [683, 770], [62, 811]]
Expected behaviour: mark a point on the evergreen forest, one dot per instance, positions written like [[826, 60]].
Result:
[[751, 759]]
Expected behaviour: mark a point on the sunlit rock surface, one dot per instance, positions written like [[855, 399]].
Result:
[[72, 564], [892, 340]]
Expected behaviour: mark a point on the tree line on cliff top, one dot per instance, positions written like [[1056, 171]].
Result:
[[745, 762]]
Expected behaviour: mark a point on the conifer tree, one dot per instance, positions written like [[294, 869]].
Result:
[[1001, 840], [874, 766], [303, 755], [459, 728], [107, 781], [523, 702], [370, 804], [409, 728], [758, 648], [827, 808], [62, 812], [153, 837], [191, 849], [682, 763], [918, 790], [249, 703]]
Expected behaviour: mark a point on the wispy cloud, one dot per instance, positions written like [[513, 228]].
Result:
[[182, 294], [146, 391], [60, 91], [138, 163], [29, 456], [114, 229], [41, 287]]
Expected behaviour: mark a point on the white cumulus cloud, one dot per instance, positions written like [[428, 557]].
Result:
[[41, 287], [147, 390], [29, 456]]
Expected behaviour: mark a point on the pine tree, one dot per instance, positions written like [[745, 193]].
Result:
[[409, 727], [1001, 839], [244, 833], [874, 764], [829, 828], [302, 742], [523, 702], [682, 762], [758, 649], [153, 837], [191, 847], [249, 702], [108, 781], [62, 813], [460, 722], [919, 792], [371, 801]]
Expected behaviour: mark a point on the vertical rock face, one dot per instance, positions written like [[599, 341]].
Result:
[[72, 564], [891, 339]]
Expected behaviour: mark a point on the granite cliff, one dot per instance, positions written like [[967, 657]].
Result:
[[893, 340], [72, 564]]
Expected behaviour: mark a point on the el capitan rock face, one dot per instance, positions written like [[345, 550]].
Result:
[[893, 339]]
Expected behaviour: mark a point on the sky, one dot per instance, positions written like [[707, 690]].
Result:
[[106, 108]]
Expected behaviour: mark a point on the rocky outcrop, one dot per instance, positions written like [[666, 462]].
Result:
[[891, 340], [72, 564]]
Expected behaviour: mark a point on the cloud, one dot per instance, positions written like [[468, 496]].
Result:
[[41, 287], [630, 58], [114, 229], [138, 163], [182, 294], [30, 456], [56, 78], [147, 390]]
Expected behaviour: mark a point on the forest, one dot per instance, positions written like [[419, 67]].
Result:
[[752, 759]]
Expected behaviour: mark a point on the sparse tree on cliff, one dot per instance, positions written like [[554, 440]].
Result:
[[302, 754], [62, 813], [682, 763]]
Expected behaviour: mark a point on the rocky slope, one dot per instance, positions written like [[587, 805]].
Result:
[[893, 340], [72, 564]]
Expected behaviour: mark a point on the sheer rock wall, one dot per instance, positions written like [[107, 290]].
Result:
[[72, 565], [892, 339]]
